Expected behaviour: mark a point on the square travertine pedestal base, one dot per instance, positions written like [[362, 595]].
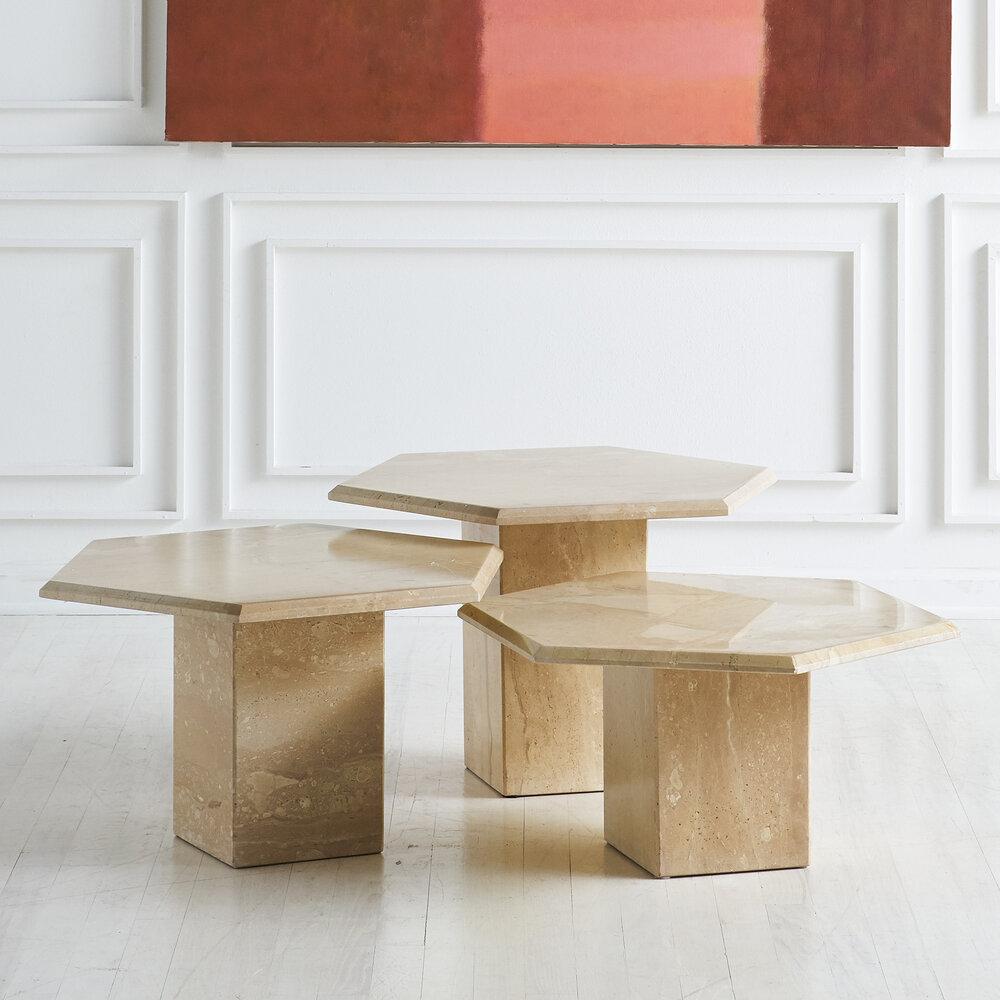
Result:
[[706, 771], [278, 737], [535, 729]]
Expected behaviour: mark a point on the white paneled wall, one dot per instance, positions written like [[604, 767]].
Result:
[[199, 335], [91, 301]]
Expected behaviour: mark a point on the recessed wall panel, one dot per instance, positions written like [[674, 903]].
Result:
[[69, 342], [381, 349], [361, 328], [59, 52]]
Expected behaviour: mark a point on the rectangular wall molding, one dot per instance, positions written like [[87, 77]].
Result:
[[993, 359], [57, 222], [843, 325], [983, 253], [851, 251], [276, 239], [131, 99], [975, 81], [133, 248], [993, 57]]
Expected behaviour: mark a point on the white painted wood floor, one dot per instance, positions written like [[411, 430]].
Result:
[[476, 896]]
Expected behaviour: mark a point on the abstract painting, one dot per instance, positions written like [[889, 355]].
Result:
[[561, 72]]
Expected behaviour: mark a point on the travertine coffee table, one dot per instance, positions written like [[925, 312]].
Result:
[[558, 514], [706, 700], [278, 671]]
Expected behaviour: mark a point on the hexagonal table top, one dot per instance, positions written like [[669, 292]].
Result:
[[769, 624], [549, 485], [271, 573]]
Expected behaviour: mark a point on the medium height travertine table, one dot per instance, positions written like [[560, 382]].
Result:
[[558, 514], [278, 671], [706, 699]]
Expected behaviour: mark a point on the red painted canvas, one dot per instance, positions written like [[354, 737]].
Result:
[[566, 72]]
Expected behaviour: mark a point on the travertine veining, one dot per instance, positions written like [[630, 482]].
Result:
[[706, 760], [308, 731], [278, 737], [276, 572], [559, 514], [532, 729], [706, 771], [204, 747], [278, 676], [780, 625], [555, 485]]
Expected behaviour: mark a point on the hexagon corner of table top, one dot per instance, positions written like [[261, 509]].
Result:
[[693, 622], [276, 572], [552, 485]]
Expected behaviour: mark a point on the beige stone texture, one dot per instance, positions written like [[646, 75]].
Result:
[[706, 699], [555, 485], [774, 624], [204, 743], [276, 572], [532, 729], [278, 737], [706, 771], [278, 676]]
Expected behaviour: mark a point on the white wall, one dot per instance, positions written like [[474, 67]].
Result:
[[197, 335]]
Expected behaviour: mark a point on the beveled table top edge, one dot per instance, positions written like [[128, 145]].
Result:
[[556, 514], [758, 662], [428, 506], [315, 606], [764, 479]]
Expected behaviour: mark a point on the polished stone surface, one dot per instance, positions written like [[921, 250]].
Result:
[[276, 572], [559, 514], [278, 737], [773, 624], [530, 728], [706, 772], [545, 485], [706, 764], [278, 671]]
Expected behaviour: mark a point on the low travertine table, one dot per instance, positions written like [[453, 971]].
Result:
[[278, 671], [558, 514], [706, 700]]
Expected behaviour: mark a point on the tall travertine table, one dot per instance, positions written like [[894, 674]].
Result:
[[706, 700], [278, 671], [558, 514]]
